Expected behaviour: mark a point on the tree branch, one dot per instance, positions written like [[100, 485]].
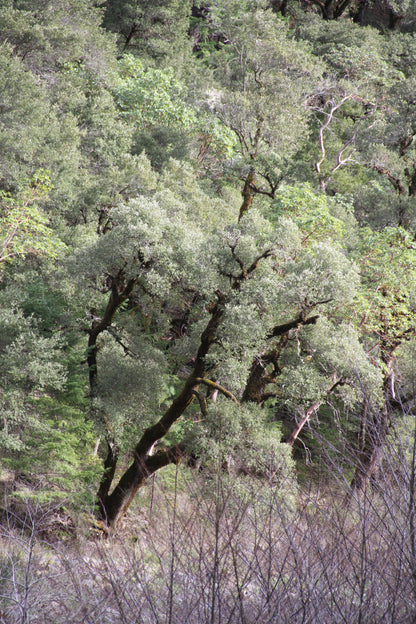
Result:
[[202, 403], [213, 384], [258, 379], [98, 325], [164, 457], [246, 272], [279, 330], [394, 180], [179, 404], [247, 193], [311, 410]]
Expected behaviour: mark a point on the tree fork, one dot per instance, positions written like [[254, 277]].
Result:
[[117, 504], [258, 377], [99, 325]]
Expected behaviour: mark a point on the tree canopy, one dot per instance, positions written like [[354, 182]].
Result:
[[207, 229]]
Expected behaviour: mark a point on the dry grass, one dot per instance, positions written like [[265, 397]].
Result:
[[195, 552]]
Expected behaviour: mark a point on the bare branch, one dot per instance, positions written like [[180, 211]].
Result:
[[322, 129], [311, 410]]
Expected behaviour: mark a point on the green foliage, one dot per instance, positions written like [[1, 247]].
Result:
[[55, 451], [386, 303], [47, 50], [23, 227], [338, 352], [152, 29], [134, 161], [356, 55], [237, 437], [48, 34], [157, 104], [44, 432], [144, 240], [149, 97], [265, 76], [322, 275], [30, 367], [25, 132], [310, 212], [133, 384]]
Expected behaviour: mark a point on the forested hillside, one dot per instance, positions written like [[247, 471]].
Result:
[[208, 274]]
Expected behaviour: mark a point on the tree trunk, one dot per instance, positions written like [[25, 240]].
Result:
[[110, 464], [247, 193], [368, 457], [279, 6], [113, 507], [132, 33], [119, 293], [411, 172], [116, 505]]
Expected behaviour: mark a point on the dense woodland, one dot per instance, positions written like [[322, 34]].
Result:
[[208, 275]]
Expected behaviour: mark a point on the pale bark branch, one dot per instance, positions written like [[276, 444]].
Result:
[[324, 126], [216, 386]]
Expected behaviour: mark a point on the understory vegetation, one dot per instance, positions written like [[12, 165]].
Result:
[[207, 311], [196, 552]]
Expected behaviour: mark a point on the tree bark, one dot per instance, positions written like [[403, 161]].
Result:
[[247, 193], [258, 377], [116, 505], [110, 465], [120, 292]]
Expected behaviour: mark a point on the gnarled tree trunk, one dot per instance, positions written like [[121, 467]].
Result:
[[113, 506], [120, 291]]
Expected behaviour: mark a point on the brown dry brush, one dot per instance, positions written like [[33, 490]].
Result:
[[208, 549]]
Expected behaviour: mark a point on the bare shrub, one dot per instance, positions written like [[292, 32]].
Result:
[[226, 551]]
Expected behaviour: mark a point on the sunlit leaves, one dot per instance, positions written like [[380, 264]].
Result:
[[310, 212], [148, 97], [236, 437], [23, 227], [265, 77], [151, 29], [29, 367]]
